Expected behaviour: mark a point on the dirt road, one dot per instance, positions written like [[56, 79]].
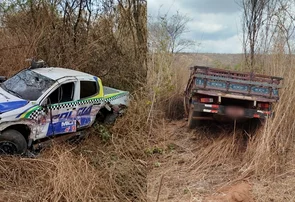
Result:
[[195, 166]]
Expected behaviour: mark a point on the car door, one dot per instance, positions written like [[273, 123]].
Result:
[[62, 109], [89, 103]]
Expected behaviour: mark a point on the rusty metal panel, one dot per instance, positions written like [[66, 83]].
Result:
[[233, 84]]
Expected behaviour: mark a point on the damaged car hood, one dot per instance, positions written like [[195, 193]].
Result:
[[10, 102]]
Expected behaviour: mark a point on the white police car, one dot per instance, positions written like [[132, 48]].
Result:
[[38, 103]]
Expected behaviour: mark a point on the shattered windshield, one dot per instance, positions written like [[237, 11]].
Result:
[[27, 85]]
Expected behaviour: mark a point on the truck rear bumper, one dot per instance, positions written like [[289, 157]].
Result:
[[221, 110]]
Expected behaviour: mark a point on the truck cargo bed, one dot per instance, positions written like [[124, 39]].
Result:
[[217, 94], [233, 84]]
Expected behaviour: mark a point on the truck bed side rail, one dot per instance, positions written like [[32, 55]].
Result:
[[229, 81]]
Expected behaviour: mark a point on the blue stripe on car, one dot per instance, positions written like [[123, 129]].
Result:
[[8, 106]]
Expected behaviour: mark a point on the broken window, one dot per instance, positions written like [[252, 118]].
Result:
[[27, 85], [88, 89], [64, 93]]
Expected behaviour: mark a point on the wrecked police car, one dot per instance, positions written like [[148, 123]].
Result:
[[40, 103]]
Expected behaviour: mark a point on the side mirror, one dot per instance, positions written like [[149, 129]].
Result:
[[2, 79], [45, 104]]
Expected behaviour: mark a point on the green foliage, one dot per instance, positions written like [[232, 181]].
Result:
[[238, 67], [159, 150], [157, 164], [104, 133], [171, 147], [217, 64], [186, 191], [154, 150]]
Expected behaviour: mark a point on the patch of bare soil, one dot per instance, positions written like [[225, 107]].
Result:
[[239, 192], [195, 165]]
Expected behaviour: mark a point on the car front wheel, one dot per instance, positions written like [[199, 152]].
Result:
[[12, 142]]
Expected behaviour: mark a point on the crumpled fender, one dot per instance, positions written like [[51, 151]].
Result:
[[28, 122]]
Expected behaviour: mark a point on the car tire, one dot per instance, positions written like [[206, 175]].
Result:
[[12, 142], [110, 118]]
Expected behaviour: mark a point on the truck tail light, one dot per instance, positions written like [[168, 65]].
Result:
[[207, 100], [263, 105]]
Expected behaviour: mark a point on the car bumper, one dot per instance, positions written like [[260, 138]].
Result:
[[222, 110]]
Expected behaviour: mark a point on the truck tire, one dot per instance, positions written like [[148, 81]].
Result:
[[12, 142], [192, 123], [186, 106]]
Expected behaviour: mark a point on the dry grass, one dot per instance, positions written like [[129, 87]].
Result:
[[280, 188], [193, 164], [198, 166], [182, 165], [109, 43], [110, 165], [57, 175], [270, 148], [269, 151], [95, 170]]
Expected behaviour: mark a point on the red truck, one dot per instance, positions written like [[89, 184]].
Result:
[[225, 95]]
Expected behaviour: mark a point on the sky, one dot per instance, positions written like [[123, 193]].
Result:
[[215, 24]]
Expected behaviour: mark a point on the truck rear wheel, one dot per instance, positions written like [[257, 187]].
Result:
[[186, 106], [192, 123], [12, 142]]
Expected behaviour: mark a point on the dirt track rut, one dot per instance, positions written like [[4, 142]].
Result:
[[179, 172]]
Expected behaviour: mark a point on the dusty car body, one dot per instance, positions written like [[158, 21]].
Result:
[[38, 103]]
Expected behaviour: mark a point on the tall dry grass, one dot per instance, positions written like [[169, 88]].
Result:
[[97, 169], [104, 38], [192, 164], [110, 165], [270, 151], [167, 77], [57, 175], [264, 156]]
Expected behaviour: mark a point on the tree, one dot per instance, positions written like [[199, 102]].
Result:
[[252, 24], [285, 25], [105, 37], [167, 33], [266, 24]]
